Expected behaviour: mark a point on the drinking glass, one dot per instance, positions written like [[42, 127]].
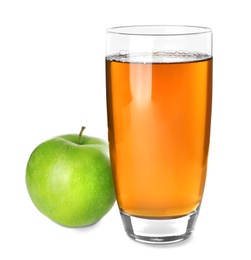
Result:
[[159, 96]]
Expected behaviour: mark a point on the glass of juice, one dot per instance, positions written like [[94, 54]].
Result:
[[159, 98]]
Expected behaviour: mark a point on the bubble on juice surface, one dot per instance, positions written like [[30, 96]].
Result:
[[158, 57]]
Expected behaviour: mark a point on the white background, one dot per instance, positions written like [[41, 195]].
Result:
[[52, 81]]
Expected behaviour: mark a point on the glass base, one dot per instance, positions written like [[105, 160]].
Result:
[[160, 231]]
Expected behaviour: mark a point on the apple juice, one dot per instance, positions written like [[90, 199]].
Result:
[[159, 113]]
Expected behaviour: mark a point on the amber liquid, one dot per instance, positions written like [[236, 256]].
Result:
[[159, 126]]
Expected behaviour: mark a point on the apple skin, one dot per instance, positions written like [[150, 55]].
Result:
[[71, 183]]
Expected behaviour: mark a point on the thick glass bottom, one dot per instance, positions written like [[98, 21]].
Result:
[[160, 231]]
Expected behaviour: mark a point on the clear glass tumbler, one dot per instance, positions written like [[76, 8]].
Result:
[[159, 97]]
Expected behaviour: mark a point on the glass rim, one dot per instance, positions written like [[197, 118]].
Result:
[[159, 30]]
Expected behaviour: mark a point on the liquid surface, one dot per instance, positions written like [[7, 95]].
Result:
[[159, 125], [158, 57]]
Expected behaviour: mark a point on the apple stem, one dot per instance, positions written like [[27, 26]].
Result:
[[80, 134]]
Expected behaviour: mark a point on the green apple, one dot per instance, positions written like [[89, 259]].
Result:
[[69, 179]]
